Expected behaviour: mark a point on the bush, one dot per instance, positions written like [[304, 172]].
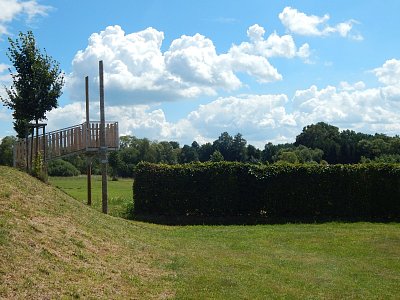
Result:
[[279, 192], [62, 168]]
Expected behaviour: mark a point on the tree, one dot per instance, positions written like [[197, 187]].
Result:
[[205, 152], [269, 152], [188, 154], [374, 147], [6, 150], [224, 145], [166, 153], [253, 154], [288, 156], [238, 148], [349, 150], [216, 156], [323, 136], [175, 145], [37, 82]]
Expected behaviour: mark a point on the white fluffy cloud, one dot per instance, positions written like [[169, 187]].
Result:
[[389, 73], [137, 71], [252, 57], [311, 25], [68, 115], [10, 9], [273, 46]]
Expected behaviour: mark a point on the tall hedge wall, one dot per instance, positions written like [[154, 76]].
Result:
[[273, 192]]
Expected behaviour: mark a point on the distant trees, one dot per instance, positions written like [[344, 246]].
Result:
[[311, 146], [300, 154], [322, 136], [188, 154], [216, 156], [37, 82], [205, 152]]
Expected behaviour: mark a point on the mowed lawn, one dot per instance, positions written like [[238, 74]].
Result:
[[290, 261], [120, 195]]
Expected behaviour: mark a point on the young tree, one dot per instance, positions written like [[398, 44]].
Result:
[[224, 145], [6, 150], [238, 148], [216, 156], [37, 82]]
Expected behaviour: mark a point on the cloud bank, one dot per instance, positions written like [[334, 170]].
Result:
[[138, 71]]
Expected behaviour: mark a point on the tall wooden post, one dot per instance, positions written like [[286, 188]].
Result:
[[44, 153], [27, 150], [32, 143], [88, 159], [44, 144], [103, 148]]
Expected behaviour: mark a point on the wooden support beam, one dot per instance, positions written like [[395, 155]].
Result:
[[88, 159], [103, 146]]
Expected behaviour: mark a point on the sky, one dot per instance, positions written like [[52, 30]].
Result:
[[190, 70]]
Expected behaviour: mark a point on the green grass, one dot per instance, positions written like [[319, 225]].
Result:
[[53, 246], [119, 192]]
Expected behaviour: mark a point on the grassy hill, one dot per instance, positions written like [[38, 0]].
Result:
[[52, 246]]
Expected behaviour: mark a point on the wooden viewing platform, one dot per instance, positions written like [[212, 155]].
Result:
[[67, 141]]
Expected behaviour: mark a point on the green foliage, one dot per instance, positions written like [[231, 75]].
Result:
[[59, 167], [300, 154], [279, 192], [287, 156], [39, 168], [224, 144], [216, 156], [386, 158], [188, 154], [253, 154], [37, 82], [6, 150], [205, 151], [80, 162], [322, 136]]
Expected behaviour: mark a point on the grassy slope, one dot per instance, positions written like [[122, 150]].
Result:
[[119, 192], [53, 246]]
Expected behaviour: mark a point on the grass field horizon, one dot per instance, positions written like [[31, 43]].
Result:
[[53, 246], [120, 194]]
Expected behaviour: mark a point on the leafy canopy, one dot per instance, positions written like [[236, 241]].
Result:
[[37, 82]]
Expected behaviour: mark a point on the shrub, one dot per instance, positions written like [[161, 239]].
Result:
[[59, 167], [279, 192]]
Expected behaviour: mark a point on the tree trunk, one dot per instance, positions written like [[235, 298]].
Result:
[[37, 139]]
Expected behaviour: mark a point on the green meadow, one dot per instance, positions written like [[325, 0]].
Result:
[[120, 198]]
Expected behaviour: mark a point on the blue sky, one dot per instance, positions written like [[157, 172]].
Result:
[[190, 70]]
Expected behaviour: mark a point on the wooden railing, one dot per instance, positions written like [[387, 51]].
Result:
[[66, 141]]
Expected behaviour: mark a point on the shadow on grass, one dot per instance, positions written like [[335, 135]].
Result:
[[248, 220]]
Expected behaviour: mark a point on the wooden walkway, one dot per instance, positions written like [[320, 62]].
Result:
[[67, 141]]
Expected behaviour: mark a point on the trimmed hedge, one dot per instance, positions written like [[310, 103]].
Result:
[[279, 192]]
